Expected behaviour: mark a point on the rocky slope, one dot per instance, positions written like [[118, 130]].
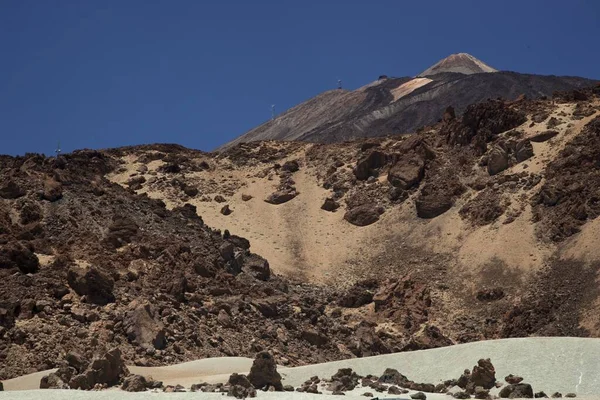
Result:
[[477, 227], [402, 105]]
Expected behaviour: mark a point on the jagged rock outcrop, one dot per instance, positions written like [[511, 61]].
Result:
[[263, 373], [142, 326], [93, 283], [76, 373]]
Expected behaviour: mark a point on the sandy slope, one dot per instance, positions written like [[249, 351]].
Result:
[[301, 240], [409, 87], [548, 364]]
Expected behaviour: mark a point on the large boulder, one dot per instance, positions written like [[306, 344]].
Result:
[[364, 215], [407, 172], [11, 190], [523, 150], [78, 373], [344, 379], [430, 205], [240, 387], [366, 342], [53, 381], [52, 190], [313, 337], [281, 196], [330, 204], [392, 376], [93, 283], [497, 160], [16, 255], [121, 231], [290, 166], [518, 391], [77, 361], [367, 165], [484, 374], [543, 136], [263, 373], [107, 370], [257, 266], [135, 383], [142, 327]]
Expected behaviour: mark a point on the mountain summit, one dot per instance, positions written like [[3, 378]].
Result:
[[462, 63], [390, 106]]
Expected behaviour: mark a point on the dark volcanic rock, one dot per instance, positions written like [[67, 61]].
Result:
[[225, 210], [330, 205], [53, 190], [257, 266], [281, 196], [543, 136], [521, 390], [407, 172], [313, 337], [264, 372], [523, 150], [481, 393], [11, 190], [392, 376], [513, 379], [432, 205], [484, 374], [461, 395], [497, 160], [359, 294], [77, 361], [490, 294], [367, 165], [93, 283], [428, 337], [364, 215], [122, 231], [290, 166], [343, 380], [142, 326], [134, 383], [16, 255], [240, 387], [107, 370]]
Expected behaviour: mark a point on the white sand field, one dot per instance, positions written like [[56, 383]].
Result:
[[548, 364]]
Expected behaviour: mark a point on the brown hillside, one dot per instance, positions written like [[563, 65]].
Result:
[[477, 227]]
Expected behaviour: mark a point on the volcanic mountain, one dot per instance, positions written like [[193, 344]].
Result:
[[461, 63], [390, 106], [478, 227]]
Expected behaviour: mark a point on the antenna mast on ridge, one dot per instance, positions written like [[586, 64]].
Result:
[[57, 151], [339, 83], [272, 112]]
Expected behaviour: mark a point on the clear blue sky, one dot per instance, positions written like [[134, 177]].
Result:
[[97, 74]]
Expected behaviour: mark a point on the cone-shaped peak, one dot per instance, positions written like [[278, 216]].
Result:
[[462, 63]]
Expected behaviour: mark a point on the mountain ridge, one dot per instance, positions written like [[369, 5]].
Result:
[[391, 106]]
